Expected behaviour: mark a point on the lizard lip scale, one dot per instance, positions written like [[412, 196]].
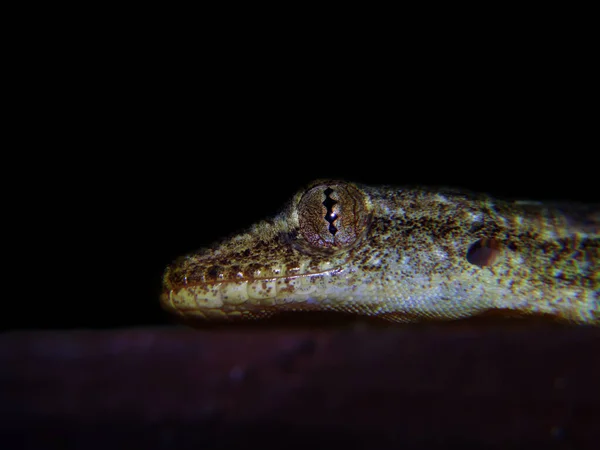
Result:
[[402, 254], [236, 299]]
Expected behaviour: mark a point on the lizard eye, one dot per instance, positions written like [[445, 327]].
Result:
[[333, 215]]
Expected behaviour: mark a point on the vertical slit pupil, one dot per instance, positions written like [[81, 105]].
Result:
[[330, 216]]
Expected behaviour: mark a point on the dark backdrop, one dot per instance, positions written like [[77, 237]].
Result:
[[126, 193], [124, 166]]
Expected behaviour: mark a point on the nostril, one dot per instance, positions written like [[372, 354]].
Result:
[[214, 272]]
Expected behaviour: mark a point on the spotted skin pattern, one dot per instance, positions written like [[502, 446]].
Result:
[[401, 254]]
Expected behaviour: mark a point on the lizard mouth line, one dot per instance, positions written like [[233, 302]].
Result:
[[186, 285], [239, 294]]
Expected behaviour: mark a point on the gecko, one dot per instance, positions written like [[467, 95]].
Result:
[[403, 254]]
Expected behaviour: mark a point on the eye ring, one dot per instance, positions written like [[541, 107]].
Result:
[[333, 215]]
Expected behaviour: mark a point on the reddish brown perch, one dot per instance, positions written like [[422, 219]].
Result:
[[461, 385]]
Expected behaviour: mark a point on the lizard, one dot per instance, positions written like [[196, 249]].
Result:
[[402, 254]]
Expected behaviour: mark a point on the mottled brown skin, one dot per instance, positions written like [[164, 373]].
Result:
[[403, 254]]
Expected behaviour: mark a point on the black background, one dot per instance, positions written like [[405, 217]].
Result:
[[106, 234], [127, 166], [126, 149]]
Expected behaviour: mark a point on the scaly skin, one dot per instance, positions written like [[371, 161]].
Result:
[[400, 254]]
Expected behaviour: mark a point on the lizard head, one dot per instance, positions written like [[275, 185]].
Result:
[[284, 263]]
